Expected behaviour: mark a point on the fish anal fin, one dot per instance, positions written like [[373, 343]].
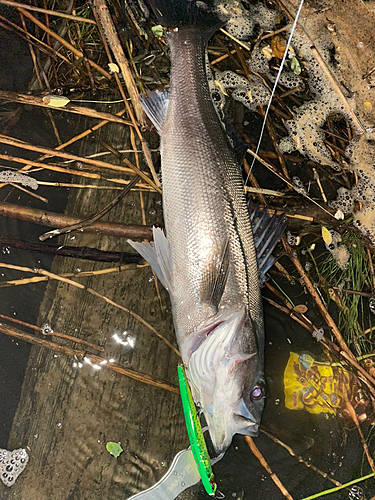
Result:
[[216, 275], [158, 255], [155, 106]]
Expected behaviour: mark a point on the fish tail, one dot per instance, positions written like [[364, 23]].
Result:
[[202, 15]]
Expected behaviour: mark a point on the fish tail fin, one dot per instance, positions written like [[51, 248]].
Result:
[[267, 231], [203, 15]]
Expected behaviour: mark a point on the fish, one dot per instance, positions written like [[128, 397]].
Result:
[[207, 261]]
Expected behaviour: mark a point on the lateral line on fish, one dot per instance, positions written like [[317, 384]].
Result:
[[274, 87]]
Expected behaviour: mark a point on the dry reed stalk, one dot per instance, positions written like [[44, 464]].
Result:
[[265, 465], [275, 142], [132, 167], [39, 72], [88, 221], [371, 265], [69, 108], [53, 333], [243, 44], [109, 32], [221, 58], [30, 193], [47, 11], [257, 190], [300, 459], [76, 138], [138, 187], [44, 218], [83, 274], [68, 351], [89, 161], [83, 253], [141, 377], [318, 181], [273, 170], [283, 271], [145, 148], [63, 42], [253, 181], [353, 416], [299, 318], [34, 40], [47, 166]]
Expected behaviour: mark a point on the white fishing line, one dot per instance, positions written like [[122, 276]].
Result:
[[275, 85]]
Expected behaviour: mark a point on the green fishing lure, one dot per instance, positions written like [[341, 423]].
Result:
[[197, 442]]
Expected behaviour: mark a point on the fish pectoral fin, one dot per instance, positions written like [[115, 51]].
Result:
[[158, 255], [155, 106], [216, 275]]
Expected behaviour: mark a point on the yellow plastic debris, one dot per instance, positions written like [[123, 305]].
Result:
[[316, 387]]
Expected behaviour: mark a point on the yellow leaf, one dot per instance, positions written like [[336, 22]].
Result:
[[326, 236], [278, 46], [56, 101], [367, 106], [113, 68], [267, 52]]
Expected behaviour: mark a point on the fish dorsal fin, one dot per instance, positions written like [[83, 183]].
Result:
[[155, 106], [216, 270], [158, 255]]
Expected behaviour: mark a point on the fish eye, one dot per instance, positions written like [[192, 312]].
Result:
[[257, 393]]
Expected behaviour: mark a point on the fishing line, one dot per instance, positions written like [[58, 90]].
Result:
[[274, 87]]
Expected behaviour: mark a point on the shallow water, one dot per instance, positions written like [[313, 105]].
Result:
[[66, 414]]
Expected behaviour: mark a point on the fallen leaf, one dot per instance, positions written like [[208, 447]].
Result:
[[157, 30], [113, 68], [278, 46], [267, 52], [114, 449], [295, 66], [56, 101], [327, 237], [301, 308]]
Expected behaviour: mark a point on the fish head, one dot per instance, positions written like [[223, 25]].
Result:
[[226, 375]]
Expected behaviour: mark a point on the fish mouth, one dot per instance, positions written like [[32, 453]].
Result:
[[222, 433]]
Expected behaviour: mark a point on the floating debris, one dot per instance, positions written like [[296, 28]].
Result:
[[25, 180], [114, 449], [12, 463]]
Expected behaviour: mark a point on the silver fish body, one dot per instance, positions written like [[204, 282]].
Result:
[[209, 262]]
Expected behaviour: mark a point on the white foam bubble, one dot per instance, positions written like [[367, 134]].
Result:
[[25, 180]]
